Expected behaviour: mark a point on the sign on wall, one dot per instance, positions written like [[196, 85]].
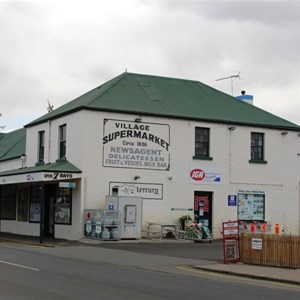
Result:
[[135, 145], [251, 205], [202, 175], [146, 190]]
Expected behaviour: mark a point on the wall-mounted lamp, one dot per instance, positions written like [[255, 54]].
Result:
[[138, 120], [170, 177], [136, 177], [284, 132], [231, 127]]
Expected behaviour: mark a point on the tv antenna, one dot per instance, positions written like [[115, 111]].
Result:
[[2, 127], [231, 78], [50, 106]]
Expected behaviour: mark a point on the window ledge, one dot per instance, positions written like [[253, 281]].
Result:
[[257, 161], [202, 157], [62, 159]]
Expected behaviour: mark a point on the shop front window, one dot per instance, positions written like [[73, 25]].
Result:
[[23, 204], [63, 207], [8, 202], [35, 203]]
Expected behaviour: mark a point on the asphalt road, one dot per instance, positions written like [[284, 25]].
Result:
[[104, 272], [191, 250]]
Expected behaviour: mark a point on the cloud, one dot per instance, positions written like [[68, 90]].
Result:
[[60, 50]]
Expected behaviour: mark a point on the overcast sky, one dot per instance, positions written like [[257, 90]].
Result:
[[58, 50]]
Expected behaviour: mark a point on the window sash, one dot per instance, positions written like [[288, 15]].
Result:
[[41, 146], [62, 141], [257, 146], [8, 196], [63, 207], [201, 141]]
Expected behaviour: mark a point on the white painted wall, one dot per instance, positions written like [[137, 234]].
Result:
[[279, 178]]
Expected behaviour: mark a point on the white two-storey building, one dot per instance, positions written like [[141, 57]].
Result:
[[182, 146]]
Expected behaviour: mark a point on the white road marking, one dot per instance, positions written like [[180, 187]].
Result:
[[17, 265]]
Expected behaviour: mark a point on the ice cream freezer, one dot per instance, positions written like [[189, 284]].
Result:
[[101, 224], [130, 209]]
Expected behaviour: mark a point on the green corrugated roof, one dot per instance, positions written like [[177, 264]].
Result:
[[169, 97], [59, 166], [12, 144], [2, 135]]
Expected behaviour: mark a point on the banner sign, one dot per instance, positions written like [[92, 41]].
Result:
[[128, 144], [39, 176]]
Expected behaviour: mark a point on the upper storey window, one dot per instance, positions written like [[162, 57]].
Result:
[[202, 143], [257, 147], [41, 146], [62, 140]]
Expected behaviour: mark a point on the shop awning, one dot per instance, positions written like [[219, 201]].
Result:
[[60, 170]]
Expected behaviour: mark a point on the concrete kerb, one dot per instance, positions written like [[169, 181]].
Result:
[[288, 276]]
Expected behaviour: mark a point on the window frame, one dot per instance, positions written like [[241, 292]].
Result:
[[66, 196], [41, 146], [257, 148], [202, 143], [8, 202], [62, 141], [35, 203]]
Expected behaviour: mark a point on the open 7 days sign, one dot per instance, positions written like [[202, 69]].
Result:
[[136, 145]]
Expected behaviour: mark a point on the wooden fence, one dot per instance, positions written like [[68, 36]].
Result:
[[270, 250]]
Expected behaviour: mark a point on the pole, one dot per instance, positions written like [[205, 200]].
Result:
[[42, 205]]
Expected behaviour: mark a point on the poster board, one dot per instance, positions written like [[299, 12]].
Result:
[[231, 247]]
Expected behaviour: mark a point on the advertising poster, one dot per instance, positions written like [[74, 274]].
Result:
[[231, 250], [137, 145]]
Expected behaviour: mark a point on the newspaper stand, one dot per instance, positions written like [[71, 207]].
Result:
[[231, 247]]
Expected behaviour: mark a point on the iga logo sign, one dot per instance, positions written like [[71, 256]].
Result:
[[197, 174], [204, 176]]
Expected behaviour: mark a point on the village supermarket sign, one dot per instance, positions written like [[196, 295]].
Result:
[[129, 144]]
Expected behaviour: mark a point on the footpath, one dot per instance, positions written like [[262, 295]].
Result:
[[290, 276]]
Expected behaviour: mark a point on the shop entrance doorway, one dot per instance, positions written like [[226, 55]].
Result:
[[50, 196], [203, 208]]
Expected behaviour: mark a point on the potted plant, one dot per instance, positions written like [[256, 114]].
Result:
[[183, 219]]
